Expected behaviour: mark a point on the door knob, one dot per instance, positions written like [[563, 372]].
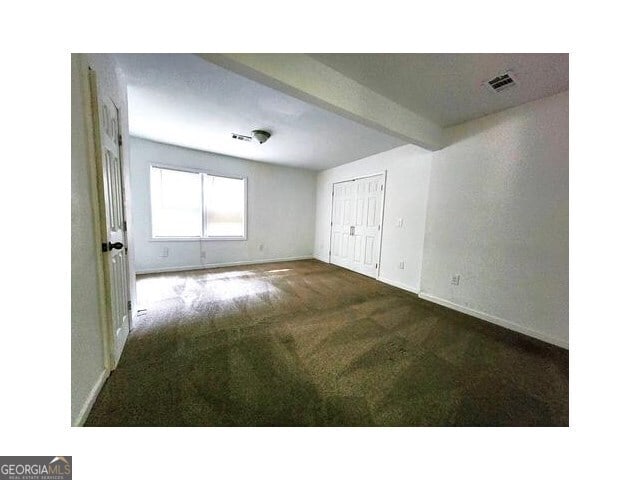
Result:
[[110, 246]]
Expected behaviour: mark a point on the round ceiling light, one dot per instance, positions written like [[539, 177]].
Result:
[[261, 135]]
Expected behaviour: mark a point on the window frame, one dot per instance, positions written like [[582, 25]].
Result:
[[202, 236]]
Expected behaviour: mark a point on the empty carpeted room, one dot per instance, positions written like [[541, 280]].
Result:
[[335, 239]]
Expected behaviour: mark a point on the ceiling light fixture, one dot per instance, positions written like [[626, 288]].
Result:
[[261, 135]]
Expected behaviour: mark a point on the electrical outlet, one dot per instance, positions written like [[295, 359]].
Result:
[[165, 252], [455, 280], [261, 247], [399, 222], [203, 254], [401, 265]]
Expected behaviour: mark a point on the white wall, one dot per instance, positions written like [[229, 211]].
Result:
[[281, 207], [408, 169], [498, 215], [87, 353]]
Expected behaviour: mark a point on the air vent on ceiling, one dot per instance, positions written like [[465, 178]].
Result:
[[244, 138], [502, 82]]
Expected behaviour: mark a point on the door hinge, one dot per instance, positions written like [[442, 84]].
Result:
[[376, 265], [124, 226], [129, 305], [381, 187], [105, 247], [119, 140]]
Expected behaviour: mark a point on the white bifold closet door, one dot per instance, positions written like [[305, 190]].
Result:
[[356, 224]]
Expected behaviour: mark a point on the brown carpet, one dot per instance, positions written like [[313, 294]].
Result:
[[306, 343]]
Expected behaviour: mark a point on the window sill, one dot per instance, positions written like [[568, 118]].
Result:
[[194, 239]]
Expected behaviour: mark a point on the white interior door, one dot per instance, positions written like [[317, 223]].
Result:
[[368, 224], [356, 224], [341, 223], [111, 197]]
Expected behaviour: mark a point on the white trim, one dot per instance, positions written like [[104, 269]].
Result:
[[89, 83], [99, 213], [333, 192], [384, 201], [393, 283], [91, 399], [218, 265], [193, 239], [400, 285], [495, 320]]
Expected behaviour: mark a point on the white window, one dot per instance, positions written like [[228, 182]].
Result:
[[223, 206], [197, 205]]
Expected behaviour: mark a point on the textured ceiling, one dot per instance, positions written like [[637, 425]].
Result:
[[184, 100], [448, 87]]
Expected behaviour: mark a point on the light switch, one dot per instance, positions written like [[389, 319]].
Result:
[[399, 222]]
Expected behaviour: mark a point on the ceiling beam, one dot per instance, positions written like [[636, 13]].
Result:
[[309, 80]]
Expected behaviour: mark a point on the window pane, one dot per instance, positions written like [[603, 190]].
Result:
[[176, 203], [224, 206]]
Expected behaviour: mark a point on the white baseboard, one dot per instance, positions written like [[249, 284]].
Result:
[[393, 283], [91, 399], [400, 285], [218, 265], [495, 320]]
